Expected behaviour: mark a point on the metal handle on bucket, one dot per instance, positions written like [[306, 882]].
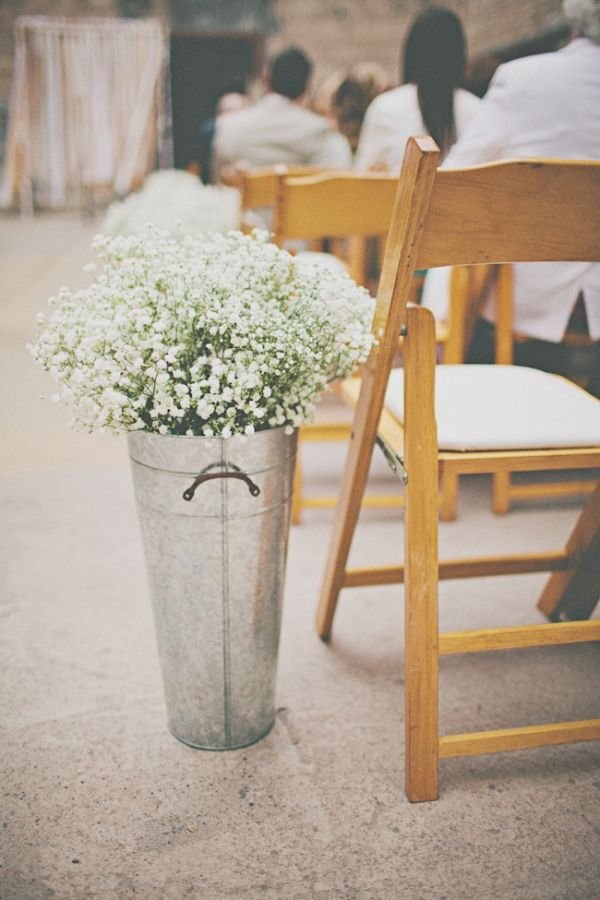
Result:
[[206, 476]]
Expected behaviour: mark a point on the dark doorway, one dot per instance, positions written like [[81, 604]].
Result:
[[203, 66]]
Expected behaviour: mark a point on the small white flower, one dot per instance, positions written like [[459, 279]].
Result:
[[212, 335]]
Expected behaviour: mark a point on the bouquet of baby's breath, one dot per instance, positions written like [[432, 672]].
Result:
[[209, 335], [172, 196]]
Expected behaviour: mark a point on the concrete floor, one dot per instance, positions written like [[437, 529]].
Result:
[[100, 801]]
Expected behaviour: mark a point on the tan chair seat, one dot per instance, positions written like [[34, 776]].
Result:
[[488, 407]]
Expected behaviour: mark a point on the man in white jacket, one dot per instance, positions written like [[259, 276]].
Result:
[[542, 106], [279, 128]]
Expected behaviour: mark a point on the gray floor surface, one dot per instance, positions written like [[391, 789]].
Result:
[[100, 801]]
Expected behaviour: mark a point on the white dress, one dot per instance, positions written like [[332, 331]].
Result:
[[393, 117]]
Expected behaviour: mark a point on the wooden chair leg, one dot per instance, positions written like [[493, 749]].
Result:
[[421, 560], [357, 246], [501, 492], [503, 356], [351, 491], [448, 496], [574, 593], [414, 189]]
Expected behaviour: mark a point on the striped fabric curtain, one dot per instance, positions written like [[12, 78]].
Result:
[[85, 110]]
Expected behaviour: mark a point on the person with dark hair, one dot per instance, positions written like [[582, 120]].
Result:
[[279, 128], [548, 106], [354, 94], [430, 101], [289, 73]]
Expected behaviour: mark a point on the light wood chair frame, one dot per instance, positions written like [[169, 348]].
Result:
[[440, 219], [337, 206], [260, 188]]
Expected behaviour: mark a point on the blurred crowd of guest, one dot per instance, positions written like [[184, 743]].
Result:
[[354, 118], [542, 105]]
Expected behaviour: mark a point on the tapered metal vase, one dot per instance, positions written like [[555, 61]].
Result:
[[215, 516]]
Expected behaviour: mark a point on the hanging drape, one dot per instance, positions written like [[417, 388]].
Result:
[[85, 108]]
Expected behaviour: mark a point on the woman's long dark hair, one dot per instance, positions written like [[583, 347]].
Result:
[[434, 59]]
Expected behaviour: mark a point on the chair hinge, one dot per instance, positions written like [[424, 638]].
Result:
[[395, 463]]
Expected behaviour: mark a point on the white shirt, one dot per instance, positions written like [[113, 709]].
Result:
[[277, 130], [539, 106], [393, 117]]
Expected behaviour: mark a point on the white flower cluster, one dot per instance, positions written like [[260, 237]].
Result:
[[201, 335], [173, 199]]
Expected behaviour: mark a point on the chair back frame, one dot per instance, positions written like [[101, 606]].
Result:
[[260, 187], [335, 205]]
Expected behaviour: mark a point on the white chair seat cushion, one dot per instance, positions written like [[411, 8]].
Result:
[[492, 407]]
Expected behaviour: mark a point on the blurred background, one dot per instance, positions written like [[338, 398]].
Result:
[[212, 46]]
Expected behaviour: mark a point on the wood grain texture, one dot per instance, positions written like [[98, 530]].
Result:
[[518, 636], [552, 209], [525, 738], [421, 555]]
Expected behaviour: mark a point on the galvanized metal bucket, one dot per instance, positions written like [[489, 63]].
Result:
[[214, 515]]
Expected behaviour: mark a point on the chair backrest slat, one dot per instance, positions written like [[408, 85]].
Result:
[[513, 211], [325, 205], [260, 187]]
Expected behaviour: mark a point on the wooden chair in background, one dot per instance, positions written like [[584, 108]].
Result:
[[259, 190], [452, 217], [344, 209], [341, 206]]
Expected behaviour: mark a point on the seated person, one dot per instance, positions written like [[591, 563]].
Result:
[[546, 105], [279, 128], [431, 100]]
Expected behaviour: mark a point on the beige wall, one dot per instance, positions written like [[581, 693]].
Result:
[[339, 32]]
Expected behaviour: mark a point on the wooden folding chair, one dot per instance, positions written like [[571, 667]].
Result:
[[259, 190], [450, 217]]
